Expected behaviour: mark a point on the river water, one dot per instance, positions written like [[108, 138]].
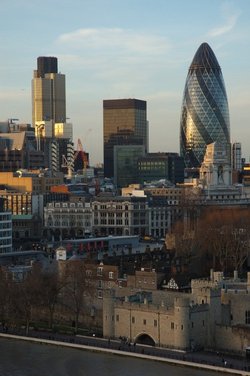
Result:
[[19, 358]]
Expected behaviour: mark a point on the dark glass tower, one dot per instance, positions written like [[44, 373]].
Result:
[[124, 123], [46, 64], [204, 115]]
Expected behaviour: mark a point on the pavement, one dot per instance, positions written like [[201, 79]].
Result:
[[218, 362]]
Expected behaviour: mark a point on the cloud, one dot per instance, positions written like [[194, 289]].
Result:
[[229, 23], [115, 39]]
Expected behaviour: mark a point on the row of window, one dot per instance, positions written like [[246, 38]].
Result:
[[5, 224], [5, 234], [112, 222], [5, 241], [71, 217], [66, 224], [99, 273], [5, 217], [172, 326]]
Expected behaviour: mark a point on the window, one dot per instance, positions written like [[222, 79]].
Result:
[[155, 323], [247, 317], [133, 320], [111, 275], [117, 317], [99, 271], [172, 325], [99, 294], [144, 322]]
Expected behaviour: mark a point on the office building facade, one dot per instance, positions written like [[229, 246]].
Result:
[[236, 156], [48, 92], [126, 164], [158, 166], [53, 133], [204, 114], [5, 229], [124, 123]]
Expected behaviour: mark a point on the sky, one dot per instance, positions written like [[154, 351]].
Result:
[[113, 49]]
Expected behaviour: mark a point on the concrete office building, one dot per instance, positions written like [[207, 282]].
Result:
[[5, 229], [18, 147], [124, 123]]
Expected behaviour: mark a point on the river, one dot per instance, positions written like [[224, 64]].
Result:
[[19, 358]]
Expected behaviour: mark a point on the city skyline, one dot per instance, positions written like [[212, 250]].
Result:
[[135, 49]]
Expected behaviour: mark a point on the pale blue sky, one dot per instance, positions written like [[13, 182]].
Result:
[[124, 49]]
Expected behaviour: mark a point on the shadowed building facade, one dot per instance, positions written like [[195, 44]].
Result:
[[204, 114], [124, 123]]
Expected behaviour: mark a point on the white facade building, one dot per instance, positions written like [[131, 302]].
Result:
[[5, 230]]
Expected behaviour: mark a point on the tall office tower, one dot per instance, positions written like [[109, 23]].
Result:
[[53, 134], [204, 114], [124, 123], [236, 156], [48, 92]]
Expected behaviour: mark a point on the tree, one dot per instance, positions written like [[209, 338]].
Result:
[[50, 286], [25, 295], [190, 208], [75, 288], [223, 235], [5, 286]]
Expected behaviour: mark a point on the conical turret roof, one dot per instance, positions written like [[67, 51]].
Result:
[[205, 59]]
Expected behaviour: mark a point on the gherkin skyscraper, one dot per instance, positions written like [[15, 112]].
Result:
[[204, 114]]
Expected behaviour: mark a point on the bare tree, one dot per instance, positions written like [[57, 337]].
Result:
[[25, 296], [75, 289], [5, 286], [50, 285], [223, 234]]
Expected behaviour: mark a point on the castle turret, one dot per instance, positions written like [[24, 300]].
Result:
[[181, 310], [108, 315]]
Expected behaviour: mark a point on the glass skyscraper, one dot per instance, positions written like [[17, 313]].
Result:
[[124, 123], [204, 114]]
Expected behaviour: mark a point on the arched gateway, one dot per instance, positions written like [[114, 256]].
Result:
[[145, 339]]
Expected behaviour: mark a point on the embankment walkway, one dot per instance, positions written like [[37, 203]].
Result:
[[199, 360]]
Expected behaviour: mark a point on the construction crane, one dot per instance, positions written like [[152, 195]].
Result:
[[69, 164], [82, 154]]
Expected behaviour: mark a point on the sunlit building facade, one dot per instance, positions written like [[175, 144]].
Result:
[[204, 114], [54, 135]]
